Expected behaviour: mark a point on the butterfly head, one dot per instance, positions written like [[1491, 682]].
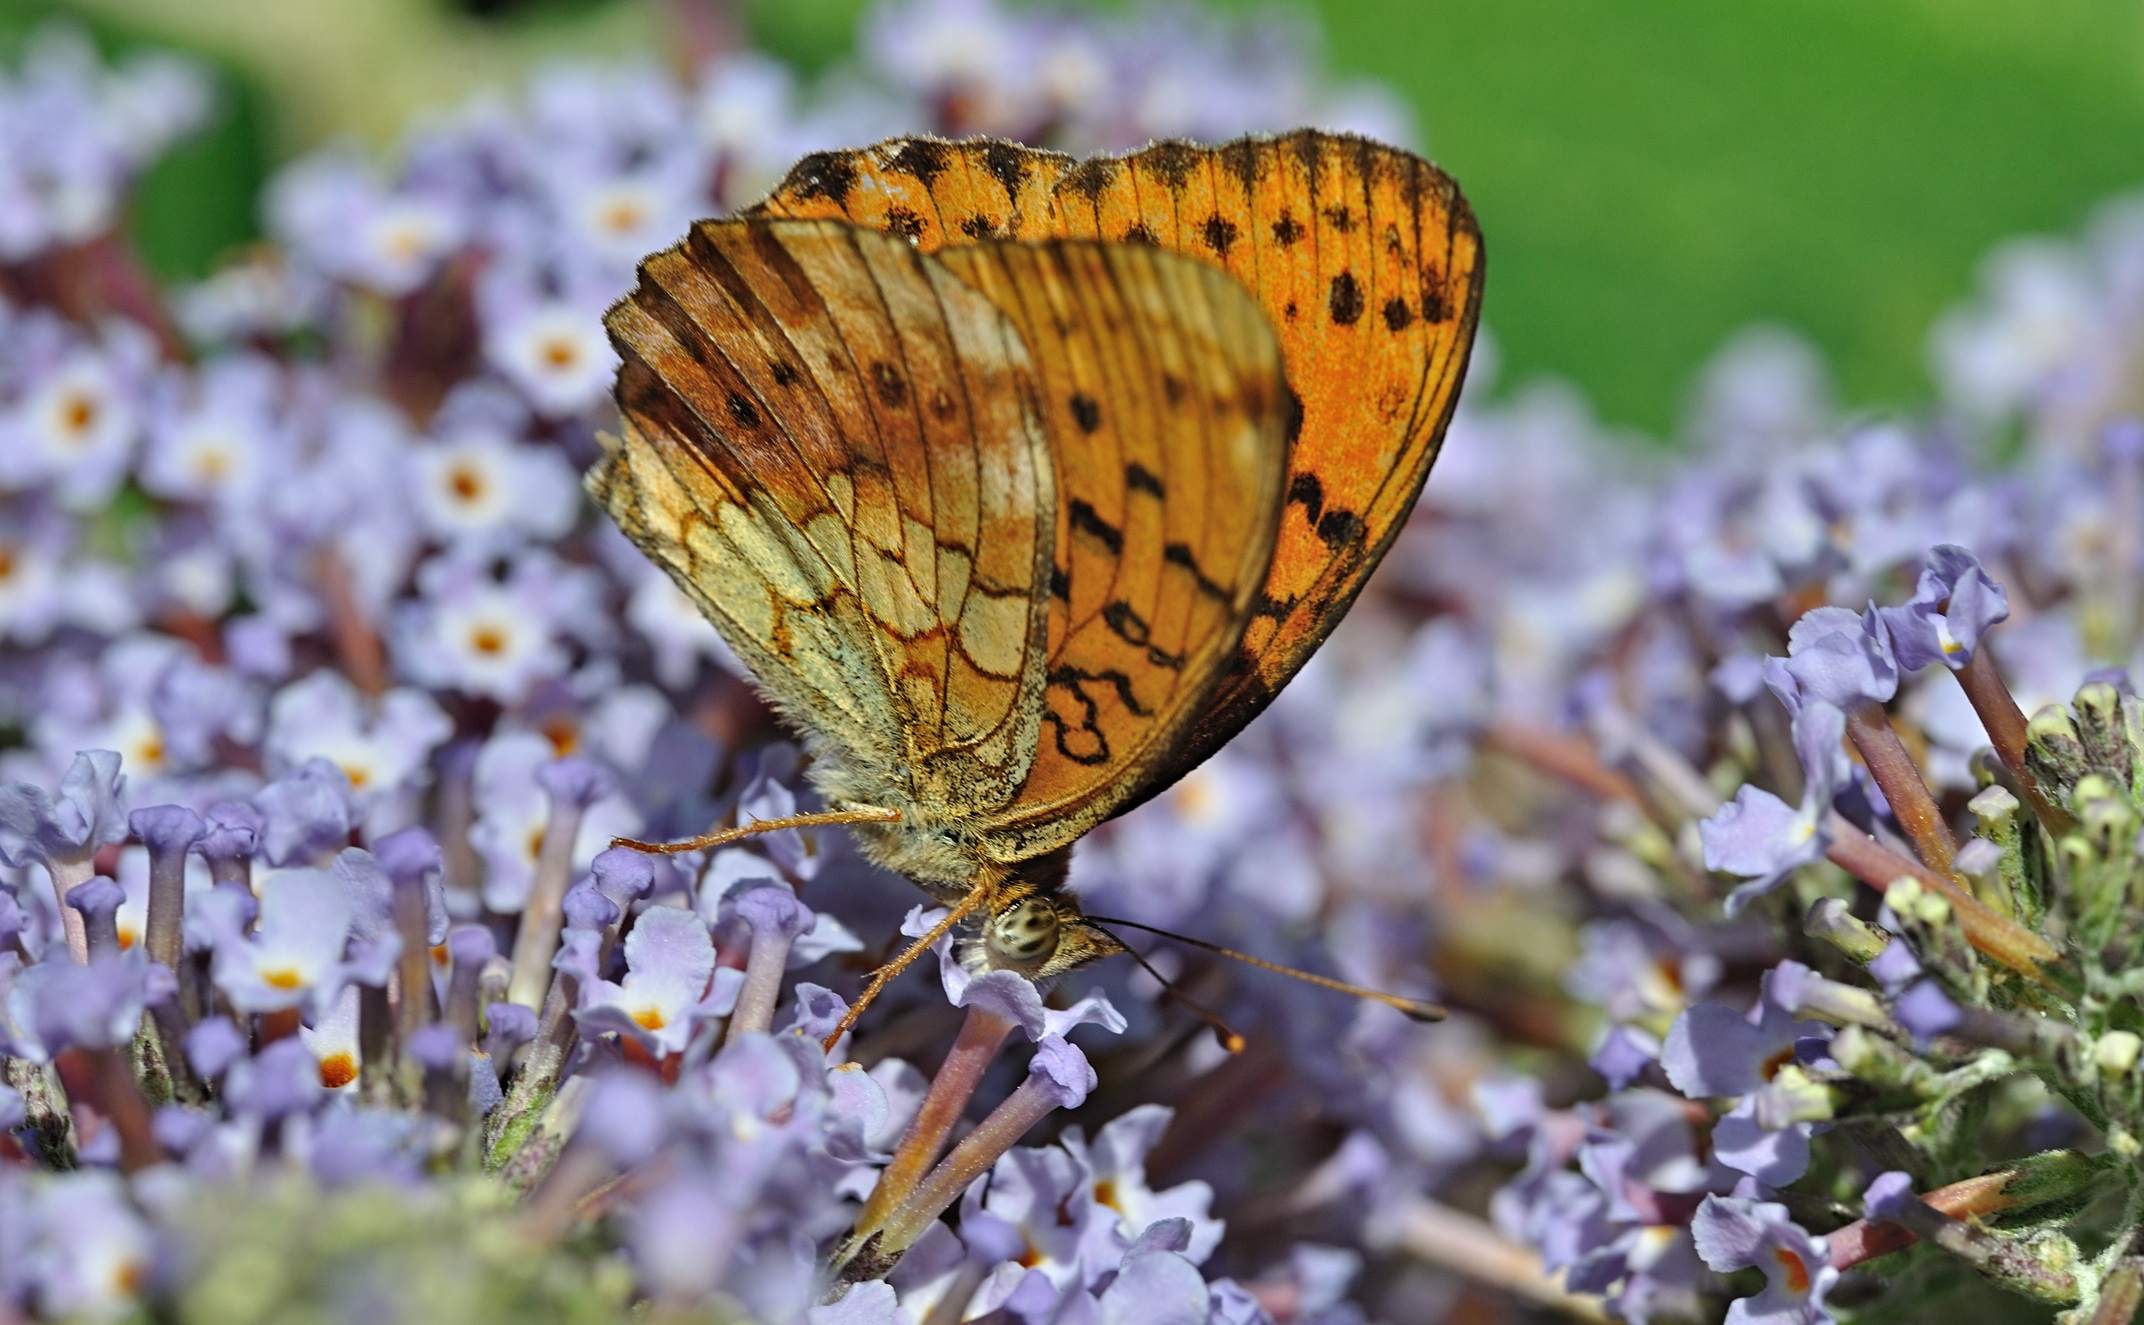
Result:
[[1040, 936]]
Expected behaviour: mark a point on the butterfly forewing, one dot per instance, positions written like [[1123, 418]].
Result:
[[835, 447], [1365, 259], [1166, 404]]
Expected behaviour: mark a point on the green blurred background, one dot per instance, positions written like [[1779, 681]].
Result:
[[1650, 177]]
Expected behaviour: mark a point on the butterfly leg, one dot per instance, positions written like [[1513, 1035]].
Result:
[[726, 836], [975, 898]]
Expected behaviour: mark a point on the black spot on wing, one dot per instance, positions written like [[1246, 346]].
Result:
[[1338, 529], [827, 175], [1173, 161], [1397, 314], [1305, 489], [1220, 233], [1139, 234], [1007, 164], [742, 411], [903, 222], [921, 158], [1344, 299], [1060, 584], [1294, 419], [785, 373], [1286, 230], [980, 226], [1341, 218], [1087, 521], [1091, 176], [1139, 478], [1086, 412]]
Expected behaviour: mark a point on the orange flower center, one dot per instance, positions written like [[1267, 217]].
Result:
[[488, 640], [466, 482], [337, 1070], [559, 352], [286, 978], [1797, 1272], [78, 413]]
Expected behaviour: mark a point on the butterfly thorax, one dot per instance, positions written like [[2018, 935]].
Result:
[[1035, 928]]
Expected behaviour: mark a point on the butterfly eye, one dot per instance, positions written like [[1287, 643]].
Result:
[[1024, 933]]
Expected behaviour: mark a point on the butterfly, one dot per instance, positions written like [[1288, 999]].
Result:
[[1021, 484]]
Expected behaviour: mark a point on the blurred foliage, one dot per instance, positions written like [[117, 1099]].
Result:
[[1650, 178]]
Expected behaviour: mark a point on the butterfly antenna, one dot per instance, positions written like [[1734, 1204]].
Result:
[[1413, 1007], [901, 963], [726, 836], [1229, 1039]]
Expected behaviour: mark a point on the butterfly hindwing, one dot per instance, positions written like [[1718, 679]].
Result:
[[1166, 405], [835, 447], [1368, 263], [1365, 259]]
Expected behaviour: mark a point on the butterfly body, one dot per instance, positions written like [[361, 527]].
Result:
[[1014, 512]]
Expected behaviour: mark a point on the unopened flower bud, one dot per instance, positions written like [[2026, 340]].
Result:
[[1831, 920], [2116, 1052]]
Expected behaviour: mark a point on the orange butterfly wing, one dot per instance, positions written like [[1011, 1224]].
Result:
[[1167, 405], [835, 448], [1367, 261]]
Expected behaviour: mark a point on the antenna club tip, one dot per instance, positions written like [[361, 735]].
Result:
[[1426, 1012], [1233, 1042]]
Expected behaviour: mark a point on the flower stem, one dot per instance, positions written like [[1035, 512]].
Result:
[[981, 1036], [1911, 801], [537, 942], [69, 873], [2005, 724], [1994, 934], [971, 1159], [764, 965]]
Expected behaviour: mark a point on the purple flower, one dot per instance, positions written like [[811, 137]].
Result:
[[1926, 1011], [1116, 1168], [91, 1251], [1065, 1069], [57, 1004], [1734, 1234], [1623, 1055], [380, 745], [1886, 1195], [306, 814], [213, 1045], [670, 986], [280, 1080], [1758, 836], [1952, 607], [295, 950], [1835, 656], [89, 812], [1713, 1052]]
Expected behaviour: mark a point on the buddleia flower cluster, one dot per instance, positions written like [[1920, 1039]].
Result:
[[1767, 811], [324, 690]]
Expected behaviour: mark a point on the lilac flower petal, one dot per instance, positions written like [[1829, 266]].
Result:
[[1773, 1156], [1155, 1288], [89, 812], [1713, 1051], [1887, 1194], [1065, 1069], [1926, 1011], [1623, 1055], [1841, 657]]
